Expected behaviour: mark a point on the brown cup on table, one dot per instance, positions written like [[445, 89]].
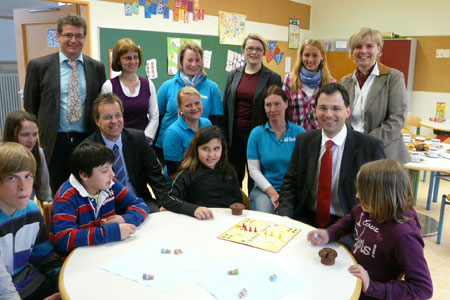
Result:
[[236, 208]]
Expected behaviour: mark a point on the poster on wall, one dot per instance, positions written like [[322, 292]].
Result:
[[294, 33], [234, 60], [173, 46], [231, 28]]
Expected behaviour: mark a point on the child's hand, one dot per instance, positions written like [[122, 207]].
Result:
[[113, 219], [162, 209], [361, 273], [55, 296], [318, 237], [126, 230], [202, 213]]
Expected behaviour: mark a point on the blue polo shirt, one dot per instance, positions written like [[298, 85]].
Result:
[[274, 155], [178, 137]]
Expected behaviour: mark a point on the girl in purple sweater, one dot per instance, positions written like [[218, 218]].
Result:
[[388, 243]]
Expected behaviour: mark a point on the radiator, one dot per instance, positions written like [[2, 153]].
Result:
[[9, 95]]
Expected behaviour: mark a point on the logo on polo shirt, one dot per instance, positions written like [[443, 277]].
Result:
[[289, 139]]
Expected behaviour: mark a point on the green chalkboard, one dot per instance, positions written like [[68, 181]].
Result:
[[154, 45]]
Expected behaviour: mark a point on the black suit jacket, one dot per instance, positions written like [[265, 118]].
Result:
[[143, 166], [42, 95], [266, 79], [299, 180]]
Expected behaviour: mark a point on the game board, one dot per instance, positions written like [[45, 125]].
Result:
[[260, 234]]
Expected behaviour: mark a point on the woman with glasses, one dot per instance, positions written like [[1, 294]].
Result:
[[137, 93], [243, 102], [301, 86], [377, 94]]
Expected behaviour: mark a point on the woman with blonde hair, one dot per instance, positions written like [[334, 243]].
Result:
[[190, 73], [137, 93], [377, 94], [301, 86]]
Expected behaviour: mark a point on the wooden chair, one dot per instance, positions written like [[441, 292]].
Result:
[[245, 199], [46, 212], [413, 120]]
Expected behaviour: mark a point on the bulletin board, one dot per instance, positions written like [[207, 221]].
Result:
[[154, 45]]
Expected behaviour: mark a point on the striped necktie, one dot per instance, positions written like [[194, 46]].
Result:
[[119, 167]]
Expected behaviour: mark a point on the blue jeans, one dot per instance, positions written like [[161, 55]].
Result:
[[260, 201]]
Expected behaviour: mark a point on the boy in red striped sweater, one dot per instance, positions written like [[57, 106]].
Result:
[[92, 207]]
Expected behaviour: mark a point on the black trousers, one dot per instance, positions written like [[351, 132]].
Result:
[[238, 156], [58, 167]]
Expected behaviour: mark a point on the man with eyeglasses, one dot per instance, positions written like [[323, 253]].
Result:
[[136, 164], [60, 89], [319, 186]]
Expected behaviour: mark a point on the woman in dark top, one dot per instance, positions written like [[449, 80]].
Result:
[[206, 179], [243, 102]]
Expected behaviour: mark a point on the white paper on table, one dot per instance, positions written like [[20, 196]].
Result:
[[287, 64], [207, 54], [151, 69]]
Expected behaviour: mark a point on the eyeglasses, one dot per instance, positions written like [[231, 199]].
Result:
[[251, 49], [70, 36], [109, 117]]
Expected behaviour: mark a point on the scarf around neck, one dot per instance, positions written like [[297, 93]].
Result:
[[191, 80], [311, 79]]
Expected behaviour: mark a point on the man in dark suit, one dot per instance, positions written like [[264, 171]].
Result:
[[350, 150], [139, 165], [60, 89]]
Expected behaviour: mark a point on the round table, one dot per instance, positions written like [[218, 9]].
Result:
[[82, 276], [442, 130]]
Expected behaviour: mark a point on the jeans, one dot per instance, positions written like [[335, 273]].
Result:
[[260, 201]]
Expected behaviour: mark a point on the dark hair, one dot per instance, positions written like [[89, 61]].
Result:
[[87, 156], [108, 98], [205, 134], [73, 20], [121, 48], [276, 90], [331, 88], [13, 124], [384, 188]]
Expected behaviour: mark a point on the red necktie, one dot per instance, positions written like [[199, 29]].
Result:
[[324, 188]]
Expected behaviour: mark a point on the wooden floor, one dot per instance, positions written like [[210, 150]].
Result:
[[438, 256]]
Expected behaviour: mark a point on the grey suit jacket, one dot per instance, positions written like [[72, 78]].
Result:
[[298, 183], [266, 79], [385, 110], [42, 95]]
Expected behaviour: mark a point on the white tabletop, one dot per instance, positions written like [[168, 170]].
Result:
[[82, 277], [444, 126], [437, 164]]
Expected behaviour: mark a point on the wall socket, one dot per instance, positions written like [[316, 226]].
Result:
[[442, 53]]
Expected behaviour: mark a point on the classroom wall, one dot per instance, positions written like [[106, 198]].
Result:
[[340, 19], [8, 41]]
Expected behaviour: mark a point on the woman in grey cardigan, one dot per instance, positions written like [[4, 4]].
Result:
[[377, 94]]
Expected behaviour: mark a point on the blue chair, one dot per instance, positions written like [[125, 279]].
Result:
[[445, 201]]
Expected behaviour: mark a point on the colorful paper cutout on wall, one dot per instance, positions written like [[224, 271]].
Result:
[[128, 9], [166, 12], [269, 56], [154, 7], [135, 8], [234, 60], [142, 2], [207, 56], [190, 6], [294, 33], [151, 69], [176, 15], [177, 3], [231, 28], [160, 9], [52, 40], [279, 57], [272, 45], [148, 12], [173, 46]]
